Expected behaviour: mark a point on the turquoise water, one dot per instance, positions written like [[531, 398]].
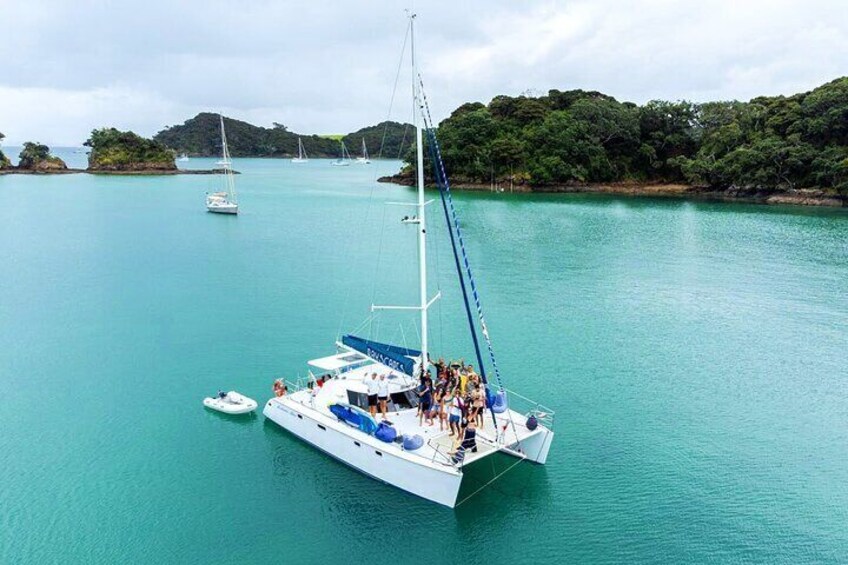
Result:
[[695, 355]]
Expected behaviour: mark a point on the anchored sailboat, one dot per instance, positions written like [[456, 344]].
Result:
[[344, 160], [364, 159], [331, 412], [301, 153], [224, 202]]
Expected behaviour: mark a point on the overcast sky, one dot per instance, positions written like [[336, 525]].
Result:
[[328, 67]]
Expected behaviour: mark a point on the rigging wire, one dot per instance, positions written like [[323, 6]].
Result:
[[350, 241], [447, 200]]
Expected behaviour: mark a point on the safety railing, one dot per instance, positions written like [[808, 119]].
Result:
[[441, 454], [528, 407]]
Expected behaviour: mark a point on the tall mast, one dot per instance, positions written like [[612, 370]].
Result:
[[229, 182], [422, 224]]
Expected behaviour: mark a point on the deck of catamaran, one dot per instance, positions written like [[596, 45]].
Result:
[[507, 431]]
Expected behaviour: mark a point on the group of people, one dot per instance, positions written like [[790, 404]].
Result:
[[457, 399], [457, 395]]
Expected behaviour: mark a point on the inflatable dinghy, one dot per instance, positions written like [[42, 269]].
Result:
[[230, 403]]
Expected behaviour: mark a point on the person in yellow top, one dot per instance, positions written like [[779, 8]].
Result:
[[463, 382]]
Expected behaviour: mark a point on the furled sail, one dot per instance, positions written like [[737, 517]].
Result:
[[395, 357]]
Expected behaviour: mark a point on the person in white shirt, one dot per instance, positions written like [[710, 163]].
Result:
[[383, 394], [373, 388]]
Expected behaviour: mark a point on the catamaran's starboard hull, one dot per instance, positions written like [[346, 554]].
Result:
[[365, 453]]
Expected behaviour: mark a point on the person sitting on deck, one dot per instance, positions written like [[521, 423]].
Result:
[[279, 388], [373, 388], [222, 395]]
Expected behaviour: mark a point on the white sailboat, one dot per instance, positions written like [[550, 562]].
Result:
[[224, 202], [301, 153], [183, 158], [364, 160], [344, 160], [419, 459]]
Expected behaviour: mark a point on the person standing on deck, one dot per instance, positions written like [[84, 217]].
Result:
[[373, 388], [383, 394], [426, 396]]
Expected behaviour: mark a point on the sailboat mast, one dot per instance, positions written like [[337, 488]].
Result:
[[422, 224], [225, 163]]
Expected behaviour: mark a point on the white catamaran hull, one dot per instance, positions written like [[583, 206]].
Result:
[[382, 461], [222, 208]]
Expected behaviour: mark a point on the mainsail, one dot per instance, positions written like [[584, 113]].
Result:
[[395, 357]]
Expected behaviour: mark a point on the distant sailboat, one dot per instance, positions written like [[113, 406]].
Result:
[[183, 158], [224, 202], [364, 159], [301, 153], [344, 160]]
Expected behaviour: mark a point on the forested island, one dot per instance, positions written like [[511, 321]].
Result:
[[125, 151], [791, 149], [4, 161], [112, 152], [200, 136]]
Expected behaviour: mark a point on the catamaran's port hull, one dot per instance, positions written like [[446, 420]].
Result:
[[384, 462], [223, 209]]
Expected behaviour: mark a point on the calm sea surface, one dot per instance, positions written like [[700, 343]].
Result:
[[695, 354]]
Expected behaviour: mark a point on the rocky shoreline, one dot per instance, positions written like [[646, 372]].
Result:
[[792, 197]]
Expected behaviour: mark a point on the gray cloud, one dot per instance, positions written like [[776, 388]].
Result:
[[329, 66]]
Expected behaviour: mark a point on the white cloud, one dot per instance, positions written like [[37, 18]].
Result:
[[325, 66]]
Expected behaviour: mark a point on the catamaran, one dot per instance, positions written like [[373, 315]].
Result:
[[224, 202], [331, 411], [301, 153], [344, 160], [364, 159]]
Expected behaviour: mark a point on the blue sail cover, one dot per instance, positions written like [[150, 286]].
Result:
[[392, 356]]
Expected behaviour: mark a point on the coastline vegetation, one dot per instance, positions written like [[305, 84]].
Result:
[[4, 161], [113, 150], [768, 144], [386, 140], [201, 136], [37, 157]]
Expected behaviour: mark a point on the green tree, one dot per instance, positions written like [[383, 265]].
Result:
[[4, 161], [32, 154], [116, 150]]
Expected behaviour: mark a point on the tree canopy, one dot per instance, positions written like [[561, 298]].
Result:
[[769, 143], [124, 150], [4, 161], [201, 136]]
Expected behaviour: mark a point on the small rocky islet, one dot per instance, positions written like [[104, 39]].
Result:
[[112, 152]]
